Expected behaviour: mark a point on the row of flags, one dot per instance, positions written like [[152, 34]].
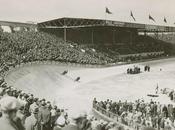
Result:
[[131, 14]]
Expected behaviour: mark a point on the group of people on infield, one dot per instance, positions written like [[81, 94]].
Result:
[[137, 70], [134, 70], [147, 68]]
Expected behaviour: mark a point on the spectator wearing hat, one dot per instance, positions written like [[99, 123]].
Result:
[[74, 121], [20, 118], [44, 116], [82, 120], [34, 105], [53, 116], [9, 106], [60, 122], [31, 122]]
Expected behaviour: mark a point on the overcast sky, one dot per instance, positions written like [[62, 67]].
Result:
[[42, 10]]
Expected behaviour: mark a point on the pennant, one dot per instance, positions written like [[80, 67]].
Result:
[[151, 18], [133, 16], [165, 20], [108, 11]]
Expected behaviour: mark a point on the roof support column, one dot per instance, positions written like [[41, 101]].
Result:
[[156, 35], [92, 36], [65, 34], [113, 36], [65, 30], [130, 37]]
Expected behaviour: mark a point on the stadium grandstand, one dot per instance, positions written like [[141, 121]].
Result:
[[91, 41], [115, 37]]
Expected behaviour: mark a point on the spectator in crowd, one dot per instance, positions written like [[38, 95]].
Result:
[[44, 116], [31, 122], [9, 106], [61, 121], [75, 122], [20, 118]]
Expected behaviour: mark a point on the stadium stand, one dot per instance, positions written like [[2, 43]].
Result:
[[33, 46], [22, 47]]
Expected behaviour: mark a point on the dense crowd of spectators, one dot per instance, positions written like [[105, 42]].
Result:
[[167, 37], [23, 111], [26, 111], [22, 47], [140, 114]]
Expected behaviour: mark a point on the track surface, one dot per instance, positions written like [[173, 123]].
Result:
[[112, 82]]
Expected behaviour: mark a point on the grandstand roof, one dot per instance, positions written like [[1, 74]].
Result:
[[81, 22], [16, 24]]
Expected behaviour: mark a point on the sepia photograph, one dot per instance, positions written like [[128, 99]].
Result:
[[87, 64]]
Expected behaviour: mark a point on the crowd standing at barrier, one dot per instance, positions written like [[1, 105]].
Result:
[[139, 114]]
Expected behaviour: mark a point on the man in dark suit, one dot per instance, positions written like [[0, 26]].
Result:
[[44, 116]]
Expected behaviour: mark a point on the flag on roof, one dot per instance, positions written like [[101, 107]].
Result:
[[165, 20], [133, 16], [108, 11], [151, 18]]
